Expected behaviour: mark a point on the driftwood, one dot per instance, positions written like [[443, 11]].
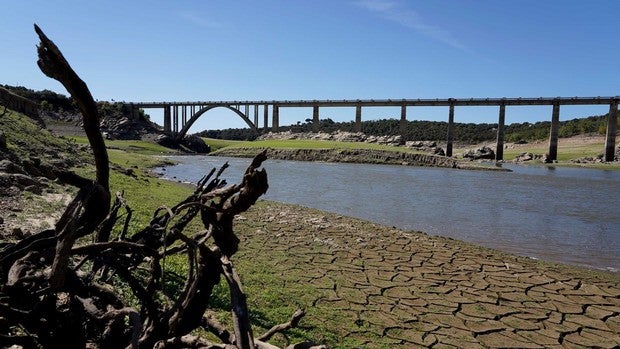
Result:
[[68, 287]]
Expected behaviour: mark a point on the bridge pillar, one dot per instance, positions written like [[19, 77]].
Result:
[[167, 120], [499, 149], [450, 134], [358, 118], [612, 124], [175, 119], [256, 117], [403, 120], [266, 117], [553, 134], [315, 118], [276, 119], [184, 112]]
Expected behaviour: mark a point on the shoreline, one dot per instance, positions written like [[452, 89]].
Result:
[[360, 156], [542, 259]]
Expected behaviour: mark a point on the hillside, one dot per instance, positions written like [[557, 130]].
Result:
[[60, 115], [31, 161]]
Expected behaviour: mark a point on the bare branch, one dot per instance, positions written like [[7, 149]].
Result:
[[241, 321], [53, 64], [293, 322]]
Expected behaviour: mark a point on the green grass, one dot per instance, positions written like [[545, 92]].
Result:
[[133, 146], [315, 144], [565, 151], [216, 144], [26, 139]]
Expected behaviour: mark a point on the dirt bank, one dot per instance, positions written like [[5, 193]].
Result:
[[346, 155]]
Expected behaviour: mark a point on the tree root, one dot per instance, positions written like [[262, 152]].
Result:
[[60, 290]]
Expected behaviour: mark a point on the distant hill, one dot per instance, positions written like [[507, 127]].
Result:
[[61, 115], [419, 130]]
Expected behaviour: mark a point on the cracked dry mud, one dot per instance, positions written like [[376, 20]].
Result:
[[382, 287]]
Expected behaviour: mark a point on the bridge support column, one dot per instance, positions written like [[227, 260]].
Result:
[[184, 112], [315, 118], [358, 118], [499, 149], [266, 117], [403, 120], [167, 120], [256, 117], [450, 134], [612, 125], [175, 118], [553, 134], [276, 119]]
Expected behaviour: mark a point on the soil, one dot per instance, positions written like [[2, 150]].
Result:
[[23, 214], [394, 288]]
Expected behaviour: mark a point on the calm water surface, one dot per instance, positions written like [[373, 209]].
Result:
[[563, 214]]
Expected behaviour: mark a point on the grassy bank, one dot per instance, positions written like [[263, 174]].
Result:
[[369, 286], [365, 285], [311, 144], [216, 144], [569, 148]]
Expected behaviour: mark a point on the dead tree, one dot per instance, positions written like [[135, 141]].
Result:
[[58, 290]]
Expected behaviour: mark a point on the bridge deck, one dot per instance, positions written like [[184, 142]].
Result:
[[399, 102]]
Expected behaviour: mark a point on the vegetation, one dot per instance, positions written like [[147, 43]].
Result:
[[135, 146], [25, 139], [216, 144], [315, 144], [418, 130], [59, 106]]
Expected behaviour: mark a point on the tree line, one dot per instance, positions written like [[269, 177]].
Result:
[[419, 130], [59, 106]]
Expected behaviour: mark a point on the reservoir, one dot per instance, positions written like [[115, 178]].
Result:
[[565, 215]]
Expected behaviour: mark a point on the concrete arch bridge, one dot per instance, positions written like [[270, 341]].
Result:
[[179, 116]]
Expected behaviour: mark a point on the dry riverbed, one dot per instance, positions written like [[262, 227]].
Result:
[[376, 286]]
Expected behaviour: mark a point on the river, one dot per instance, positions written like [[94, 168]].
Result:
[[564, 215]]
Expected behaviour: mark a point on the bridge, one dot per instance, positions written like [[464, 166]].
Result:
[[179, 116]]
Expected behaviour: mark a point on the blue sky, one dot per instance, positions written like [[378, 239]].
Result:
[[325, 49]]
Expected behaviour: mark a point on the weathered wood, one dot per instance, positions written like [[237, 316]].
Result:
[[53, 296]]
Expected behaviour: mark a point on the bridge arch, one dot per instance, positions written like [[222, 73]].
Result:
[[199, 113]]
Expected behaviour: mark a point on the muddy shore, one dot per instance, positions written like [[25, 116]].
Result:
[[366, 156]]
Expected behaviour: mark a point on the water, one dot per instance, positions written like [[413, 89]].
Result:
[[558, 214]]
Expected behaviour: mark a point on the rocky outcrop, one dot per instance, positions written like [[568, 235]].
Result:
[[340, 136], [525, 157], [190, 143], [426, 146], [115, 127], [346, 155], [589, 160], [195, 144], [480, 153]]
